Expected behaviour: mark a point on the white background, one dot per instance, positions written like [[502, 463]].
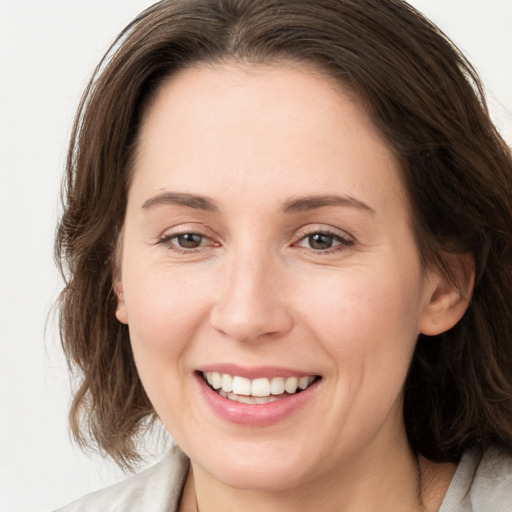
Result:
[[48, 49]]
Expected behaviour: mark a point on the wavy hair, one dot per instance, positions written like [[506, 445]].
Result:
[[428, 103]]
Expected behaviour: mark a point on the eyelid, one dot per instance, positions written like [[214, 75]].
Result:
[[311, 229], [183, 228], [346, 240], [167, 236]]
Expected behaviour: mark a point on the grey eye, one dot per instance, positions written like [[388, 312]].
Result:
[[320, 241], [189, 240]]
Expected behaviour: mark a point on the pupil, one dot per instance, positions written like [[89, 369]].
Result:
[[320, 241], [189, 240]]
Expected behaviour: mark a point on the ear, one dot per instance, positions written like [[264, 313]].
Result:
[[447, 294], [121, 314]]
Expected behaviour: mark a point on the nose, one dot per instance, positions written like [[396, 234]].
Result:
[[252, 304]]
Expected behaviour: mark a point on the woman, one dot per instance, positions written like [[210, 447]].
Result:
[[287, 235]]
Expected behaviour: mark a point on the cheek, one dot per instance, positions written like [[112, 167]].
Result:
[[368, 325], [165, 314], [164, 317], [162, 305]]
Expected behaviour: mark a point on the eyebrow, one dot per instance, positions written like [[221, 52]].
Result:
[[294, 205], [190, 200], [302, 204]]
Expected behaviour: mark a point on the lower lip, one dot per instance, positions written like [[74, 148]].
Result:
[[255, 415]]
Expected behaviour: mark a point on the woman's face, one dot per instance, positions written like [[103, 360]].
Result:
[[267, 244]]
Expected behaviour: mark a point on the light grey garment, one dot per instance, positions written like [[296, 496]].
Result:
[[480, 484], [157, 489]]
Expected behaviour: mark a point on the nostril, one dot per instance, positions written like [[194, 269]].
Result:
[[248, 323]]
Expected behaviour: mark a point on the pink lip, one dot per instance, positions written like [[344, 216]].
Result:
[[254, 372], [257, 415]]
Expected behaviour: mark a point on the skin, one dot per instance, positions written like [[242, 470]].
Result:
[[257, 292]]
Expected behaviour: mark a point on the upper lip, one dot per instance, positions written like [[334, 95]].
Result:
[[254, 372]]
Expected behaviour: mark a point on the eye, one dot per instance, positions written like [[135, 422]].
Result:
[[185, 242], [323, 241], [320, 241], [189, 240]]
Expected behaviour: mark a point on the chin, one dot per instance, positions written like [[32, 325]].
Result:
[[261, 464], [258, 475]]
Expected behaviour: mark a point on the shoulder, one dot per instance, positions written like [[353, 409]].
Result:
[[156, 489], [482, 483], [492, 486]]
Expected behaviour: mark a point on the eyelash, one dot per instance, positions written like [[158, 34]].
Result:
[[167, 240], [342, 242]]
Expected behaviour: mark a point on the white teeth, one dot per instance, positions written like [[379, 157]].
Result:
[[216, 380], [277, 385], [248, 399], [227, 383], [241, 386], [303, 382], [291, 385], [260, 387], [257, 390]]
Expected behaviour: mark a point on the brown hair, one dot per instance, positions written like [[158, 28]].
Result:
[[427, 101]]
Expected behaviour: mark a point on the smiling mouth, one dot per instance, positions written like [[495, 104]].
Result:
[[256, 391]]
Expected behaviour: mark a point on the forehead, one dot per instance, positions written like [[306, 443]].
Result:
[[261, 125]]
